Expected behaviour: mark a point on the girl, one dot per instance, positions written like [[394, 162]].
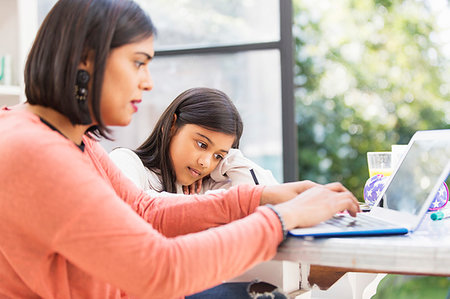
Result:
[[193, 148], [71, 224]]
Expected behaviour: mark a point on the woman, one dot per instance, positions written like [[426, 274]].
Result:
[[72, 225], [193, 148]]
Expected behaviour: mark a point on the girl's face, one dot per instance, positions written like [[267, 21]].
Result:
[[196, 151], [126, 76]]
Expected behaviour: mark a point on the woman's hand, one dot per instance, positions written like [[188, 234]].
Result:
[[194, 188], [275, 194], [317, 204]]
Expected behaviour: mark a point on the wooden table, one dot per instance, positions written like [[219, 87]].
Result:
[[423, 252]]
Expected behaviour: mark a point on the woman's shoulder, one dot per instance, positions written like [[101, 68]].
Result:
[[18, 118], [29, 143], [24, 130]]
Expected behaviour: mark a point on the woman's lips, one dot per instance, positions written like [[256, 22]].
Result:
[[134, 104]]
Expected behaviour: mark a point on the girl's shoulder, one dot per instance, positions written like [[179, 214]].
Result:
[[154, 181], [130, 163], [124, 155]]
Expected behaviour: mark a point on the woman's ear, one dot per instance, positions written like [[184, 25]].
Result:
[[87, 61]]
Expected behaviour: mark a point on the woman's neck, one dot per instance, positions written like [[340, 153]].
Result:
[[59, 121]]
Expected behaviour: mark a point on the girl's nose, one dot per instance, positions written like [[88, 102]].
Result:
[[204, 161]]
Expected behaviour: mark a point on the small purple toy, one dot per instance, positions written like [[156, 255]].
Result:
[[375, 185], [441, 198], [373, 188]]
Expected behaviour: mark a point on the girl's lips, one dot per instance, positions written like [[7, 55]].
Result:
[[194, 172]]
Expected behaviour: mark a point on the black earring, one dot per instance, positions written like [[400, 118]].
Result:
[[81, 94], [81, 85]]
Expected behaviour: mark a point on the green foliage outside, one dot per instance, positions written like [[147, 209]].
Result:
[[412, 287], [368, 74]]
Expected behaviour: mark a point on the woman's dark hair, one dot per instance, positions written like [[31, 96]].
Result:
[[205, 107], [71, 30]]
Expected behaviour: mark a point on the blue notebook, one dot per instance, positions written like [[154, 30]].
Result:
[[406, 197]]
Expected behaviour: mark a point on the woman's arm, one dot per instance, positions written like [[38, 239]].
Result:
[[175, 214], [76, 220]]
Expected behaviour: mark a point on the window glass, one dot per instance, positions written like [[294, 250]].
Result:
[[200, 23], [44, 7], [251, 80]]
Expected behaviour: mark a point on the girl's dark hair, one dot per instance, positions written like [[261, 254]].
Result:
[[71, 30], [205, 107]]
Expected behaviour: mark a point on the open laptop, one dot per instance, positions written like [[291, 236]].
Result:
[[406, 197]]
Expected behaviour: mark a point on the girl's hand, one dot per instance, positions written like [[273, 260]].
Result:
[[193, 188], [317, 204]]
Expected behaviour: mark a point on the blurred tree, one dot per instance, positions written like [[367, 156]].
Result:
[[368, 74], [413, 287]]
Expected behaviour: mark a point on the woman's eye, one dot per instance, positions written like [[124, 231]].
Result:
[[139, 63], [202, 144]]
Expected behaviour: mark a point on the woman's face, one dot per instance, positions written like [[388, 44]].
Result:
[[126, 76], [196, 151]]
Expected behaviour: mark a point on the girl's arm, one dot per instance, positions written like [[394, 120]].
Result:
[[235, 169]]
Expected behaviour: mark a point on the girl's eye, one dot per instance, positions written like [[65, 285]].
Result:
[[202, 144], [218, 157]]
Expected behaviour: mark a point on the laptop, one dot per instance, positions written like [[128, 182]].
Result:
[[406, 196]]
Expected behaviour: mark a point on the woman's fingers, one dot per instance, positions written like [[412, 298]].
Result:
[[336, 186], [347, 202], [280, 193], [343, 201], [317, 204]]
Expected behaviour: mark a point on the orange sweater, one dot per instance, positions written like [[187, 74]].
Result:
[[72, 225]]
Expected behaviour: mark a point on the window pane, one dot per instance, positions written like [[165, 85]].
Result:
[[44, 7], [251, 80], [200, 23]]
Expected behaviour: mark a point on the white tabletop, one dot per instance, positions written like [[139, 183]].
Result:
[[425, 251]]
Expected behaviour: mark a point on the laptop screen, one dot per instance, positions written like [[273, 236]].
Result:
[[419, 172]]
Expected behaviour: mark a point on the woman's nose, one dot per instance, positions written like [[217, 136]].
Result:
[[147, 82]]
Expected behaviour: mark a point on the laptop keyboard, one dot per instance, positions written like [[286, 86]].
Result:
[[362, 221]]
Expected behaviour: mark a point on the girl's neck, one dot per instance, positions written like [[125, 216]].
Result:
[[59, 121]]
